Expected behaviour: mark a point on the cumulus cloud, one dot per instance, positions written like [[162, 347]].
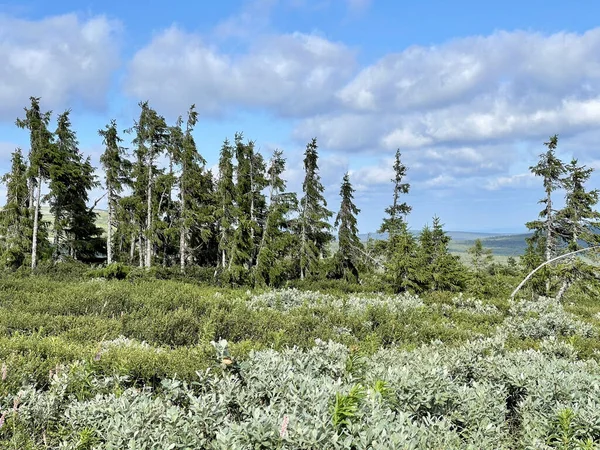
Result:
[[61, 59], [509, 85], [468, 113], [290, 74], [513, 181], [506, 64]]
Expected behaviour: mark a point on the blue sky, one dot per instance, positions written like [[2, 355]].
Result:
[[468, 90]]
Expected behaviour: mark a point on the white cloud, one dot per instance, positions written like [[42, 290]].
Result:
[[504, 64], [461, 110], [61, 59], [512, 181], [509, 85], [367, 177], [290, 74]]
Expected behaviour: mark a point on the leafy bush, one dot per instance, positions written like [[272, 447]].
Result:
[[111, 364]]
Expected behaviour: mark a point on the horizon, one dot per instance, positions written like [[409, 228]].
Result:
[[468, 92]]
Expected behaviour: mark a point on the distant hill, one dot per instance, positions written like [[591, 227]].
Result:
[[502, 245], [455, 235], [101, 219]]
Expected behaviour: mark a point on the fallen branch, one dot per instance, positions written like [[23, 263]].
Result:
[[512, 296]]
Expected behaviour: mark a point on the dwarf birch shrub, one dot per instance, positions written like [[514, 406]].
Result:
[[544, 318], [478, 395], [112, 365], [289, 299]]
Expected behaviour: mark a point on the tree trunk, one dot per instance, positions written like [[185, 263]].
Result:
[[548, 235], [35, 220], [183, 230], [303, 237], [562, 290], [31, 186], [132, 249], [109, 243], [55, 240], [149, 215], [141, 250], [567, 283]]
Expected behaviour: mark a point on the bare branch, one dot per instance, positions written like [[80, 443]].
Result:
[[96, 202], [512, 296]]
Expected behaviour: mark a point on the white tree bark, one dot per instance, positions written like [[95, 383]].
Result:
[[35, 220]]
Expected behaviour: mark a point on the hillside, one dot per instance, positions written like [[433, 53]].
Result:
[[101, 220], [503, 245]]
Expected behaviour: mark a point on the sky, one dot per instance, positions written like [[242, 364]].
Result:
[[468, 91]]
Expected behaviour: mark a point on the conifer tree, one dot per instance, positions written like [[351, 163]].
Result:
[[551, 169], [395, 222], [258, 203], [249, 202], [401, 249], [578, 221], [15, 219], [276, 242], [313, 226], [194, 204], [71, 177], [439, 270], [40, 147], [151, 140], [224, 213], [481, 258], [116, 176], [348, 240]]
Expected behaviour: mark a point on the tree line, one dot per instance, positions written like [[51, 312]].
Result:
[[243, 221]]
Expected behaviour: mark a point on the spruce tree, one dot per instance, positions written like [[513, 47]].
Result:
[[277, 240], [397, 211], [401, 266], [481, 258], [151, 140], [313, 226], [116, 176], [348, 240], [195, 212], [40, 139], [249, 201], [15, 219], [224, 213], [551, 169], [439, 270], [71, 177], [578, 222]]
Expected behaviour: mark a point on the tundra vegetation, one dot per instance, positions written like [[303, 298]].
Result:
[[213, 312]]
